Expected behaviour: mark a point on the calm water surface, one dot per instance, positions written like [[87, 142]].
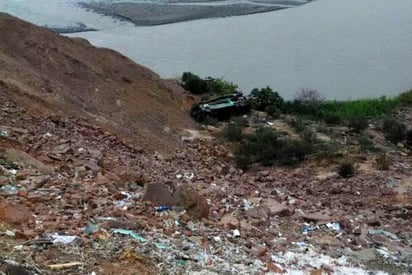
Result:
[[344, 48]]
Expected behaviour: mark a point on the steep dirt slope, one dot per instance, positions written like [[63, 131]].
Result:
[[50, 74]]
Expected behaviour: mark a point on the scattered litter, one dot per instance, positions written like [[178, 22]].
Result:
[[130, 254], [12, 172], [306, 229], [162, 246], [161, 208], [130, 233], [181, 262], [106, 219], [125, 200], [47, 135], [217, 239], [334, 226], [383, 232], [63, 266], [11, 262], [61, 239], [246, 204], [91, 228], [10, 233], [188, 176], [301, 245], [4, 133], [10, 189], [386, 254], [236, 233], [392, 183]]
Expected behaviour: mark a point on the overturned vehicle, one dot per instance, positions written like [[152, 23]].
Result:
[[221, 108]]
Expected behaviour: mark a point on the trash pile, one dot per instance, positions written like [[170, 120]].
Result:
[[75, 199]]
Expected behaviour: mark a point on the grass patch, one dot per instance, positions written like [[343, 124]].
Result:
[[336, 112]]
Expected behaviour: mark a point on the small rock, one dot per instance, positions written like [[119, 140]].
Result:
[[264, 173], [317, 217], [345, 224], [24, 173], [159, 194], [259, 251], [37, 198], [15, 270], [363, 256], [4, 180], [15, 214], [229, 221], [373, 222], [275, 268], [259, 212], [245, 226], [39, 181], [316, 272], [177, 195], [278, 209], [328, 240]]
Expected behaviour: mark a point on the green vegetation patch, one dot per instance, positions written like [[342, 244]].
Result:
[[336, 112]]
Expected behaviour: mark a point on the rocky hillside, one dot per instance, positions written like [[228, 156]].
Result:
[[50, 74]]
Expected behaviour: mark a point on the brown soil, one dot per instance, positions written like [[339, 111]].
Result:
[[50, 74]]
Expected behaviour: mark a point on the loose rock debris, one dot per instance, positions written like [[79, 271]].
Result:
[[77, 200]]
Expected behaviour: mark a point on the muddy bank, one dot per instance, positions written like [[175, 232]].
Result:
[[147, 14], [79, 27]]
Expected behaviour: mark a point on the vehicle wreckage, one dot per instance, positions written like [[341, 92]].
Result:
[[221, 108]]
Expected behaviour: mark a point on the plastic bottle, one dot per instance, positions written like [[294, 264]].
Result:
[[161, 208]]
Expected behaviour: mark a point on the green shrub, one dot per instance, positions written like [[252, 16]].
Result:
[[243, 160], [208, 87], [382, 162], [405, 98], [293, 152], [273, 111], [366, 144], [331, 118], [218, 86], [193, 83], [409, 137], [394, 130], [309, 97], [328, 150], [233, 132], [241, 121], [346, 170], [266, 147], [297, 124], [262, 98], [309, 136], [358, 124]]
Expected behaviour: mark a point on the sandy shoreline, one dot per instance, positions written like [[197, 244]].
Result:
[[148, 14]]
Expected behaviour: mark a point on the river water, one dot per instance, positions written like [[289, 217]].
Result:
[[346, 49]]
